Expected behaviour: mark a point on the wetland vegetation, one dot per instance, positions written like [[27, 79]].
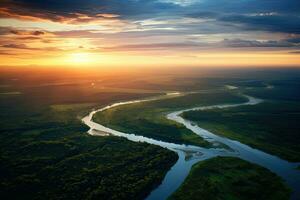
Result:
[[148, 118], [231, 178], [272, 126], [45, 152]]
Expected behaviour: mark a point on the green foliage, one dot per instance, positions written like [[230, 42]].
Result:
[[233, 179], [45, 153], [283, 90], [270, 126], [148, 118]]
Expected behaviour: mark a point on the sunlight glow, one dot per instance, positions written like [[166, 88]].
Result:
[[80, 58]]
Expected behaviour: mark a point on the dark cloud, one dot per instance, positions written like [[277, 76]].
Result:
[[255, 43], [25, 47], [294, 52], [263, 15], [38, 33], [15, 46], [26, 32], [294, 40], [248, 6], [5, 53], [211, 17], [266, 21], [77, 11], [203, 15], [58, 11], [226, 43], [28, 38], [5, 30], [155, 46], [252, 14]]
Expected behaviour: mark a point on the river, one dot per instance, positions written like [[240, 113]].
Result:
[[177, 174]]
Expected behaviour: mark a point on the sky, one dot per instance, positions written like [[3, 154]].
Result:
[[106, 33]]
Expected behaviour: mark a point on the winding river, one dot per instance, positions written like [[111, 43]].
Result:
[[177, 174]]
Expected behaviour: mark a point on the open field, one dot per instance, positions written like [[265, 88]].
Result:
[[231, 178]]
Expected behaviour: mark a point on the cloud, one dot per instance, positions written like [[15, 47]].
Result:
[[196, 46], [295, 40], [154, 46], [38, 33], [294, 52], [28, 38], [5, 30], [15, 46], [256, 43], [64, 11], [25, 47], [25, 32], [250, 14], [76, 11], [136, 25], [5, 53], [267, 22], [19, 47]]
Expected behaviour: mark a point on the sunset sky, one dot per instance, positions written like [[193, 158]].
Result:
[[106, 33]]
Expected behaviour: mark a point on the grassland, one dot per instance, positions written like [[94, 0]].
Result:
[[231, 178], [148, 118]]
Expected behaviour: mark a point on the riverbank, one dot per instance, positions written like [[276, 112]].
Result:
[[231, 178], [282, 168]]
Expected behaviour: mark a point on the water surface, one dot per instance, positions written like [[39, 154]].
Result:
[[177, 174]]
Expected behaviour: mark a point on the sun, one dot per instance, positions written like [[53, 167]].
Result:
[[80, 58]]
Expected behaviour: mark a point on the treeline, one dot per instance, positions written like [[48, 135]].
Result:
[[46, 154]]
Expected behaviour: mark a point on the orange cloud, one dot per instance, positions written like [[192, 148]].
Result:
[[68, 18], [8, 13]]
